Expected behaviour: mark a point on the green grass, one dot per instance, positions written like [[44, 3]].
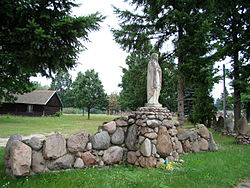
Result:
[[66, 124], [225, 168]]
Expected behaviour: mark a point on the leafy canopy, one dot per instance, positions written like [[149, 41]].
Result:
[[39, 36]]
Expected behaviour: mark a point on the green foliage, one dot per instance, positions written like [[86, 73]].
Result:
[[39, 36], [62, 83], [187, 26], [57, 114], [229, 102], [231, 20], [89, 92], [38, 86], [113, 101]]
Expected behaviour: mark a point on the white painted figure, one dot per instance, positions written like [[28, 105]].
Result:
[[154, 79]]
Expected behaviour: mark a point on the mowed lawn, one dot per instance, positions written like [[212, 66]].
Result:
[[66, 124], [225, 168]]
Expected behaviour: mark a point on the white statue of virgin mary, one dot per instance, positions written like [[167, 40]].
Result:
[[154, 79]]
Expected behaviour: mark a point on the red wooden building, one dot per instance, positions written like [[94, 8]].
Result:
[[35, 103]]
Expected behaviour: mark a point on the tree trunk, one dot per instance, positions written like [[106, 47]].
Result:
[[88, 113], [236, 75], [180, 81], [83, 112]]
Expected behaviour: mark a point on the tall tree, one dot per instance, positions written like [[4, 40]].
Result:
[[182, 21], [232, 22], [89, 92], [39, 36], [62, 83]]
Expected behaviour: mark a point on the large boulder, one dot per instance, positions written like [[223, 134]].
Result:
[[113, 155], [203, 144], [20, 158], [242, 126], [54, 147], [110, 127], [203, 131], [89, 159], [77, 142], [211, 144], [6, 156], [38, 162], [64, 162], [229, 124], [146, 148], [132, 137], [118, 136], [100, 140], [34, 143], [147, 162], [195, 147], [164, 144]]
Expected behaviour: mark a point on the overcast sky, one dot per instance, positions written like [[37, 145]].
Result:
[[103, 54]]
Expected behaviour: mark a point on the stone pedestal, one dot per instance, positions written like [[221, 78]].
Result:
[[153, 105]]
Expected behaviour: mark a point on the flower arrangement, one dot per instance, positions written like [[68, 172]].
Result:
[[170, 165]]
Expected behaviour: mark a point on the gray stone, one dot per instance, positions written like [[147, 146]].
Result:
[[147, 162], [34, 143], [131, 138], [118, 136], [20, 158], [146, 148], [168, 123], [151, 135], [242, 126], [131, 121], [77, 142], [89, 146], [179, 147], [211, 144], [186, 146], [154, 150], [156, 129], [139, 122], [100, 140], [141, 139], [203, 131], [144, 130], [203, 144], [164, 144], [64, 162], [38, 162], [89, 159], [6, 156], [151, 116], [229, 124], [113, 155], [121, 123], [54, 147], [131, 155], [110, 127], [195, 147], [79, 163], [153, 123]]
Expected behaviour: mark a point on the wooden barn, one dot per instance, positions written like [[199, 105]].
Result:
[[35, 103]]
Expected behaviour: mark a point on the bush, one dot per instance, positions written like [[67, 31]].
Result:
[[57, 114]]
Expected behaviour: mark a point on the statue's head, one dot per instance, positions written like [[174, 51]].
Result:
[[154, 56]]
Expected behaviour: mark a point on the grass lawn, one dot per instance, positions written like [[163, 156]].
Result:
[[66, 124], [225, 168]]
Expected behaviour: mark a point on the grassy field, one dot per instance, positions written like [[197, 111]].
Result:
[[225, 168], [66, 124]]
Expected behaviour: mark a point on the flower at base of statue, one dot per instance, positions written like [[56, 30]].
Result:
[[170, 166]]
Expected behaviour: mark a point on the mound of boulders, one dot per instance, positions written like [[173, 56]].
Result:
[[145, 138]]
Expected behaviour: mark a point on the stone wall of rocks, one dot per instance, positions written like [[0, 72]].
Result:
[[145, 138]]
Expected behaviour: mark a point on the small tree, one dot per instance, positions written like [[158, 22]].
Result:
[[113, 102], [89, 91], [62, 83]]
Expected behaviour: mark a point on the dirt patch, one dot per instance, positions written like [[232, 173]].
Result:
[[3, 141]]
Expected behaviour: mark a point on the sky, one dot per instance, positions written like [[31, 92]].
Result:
[[103, 54]]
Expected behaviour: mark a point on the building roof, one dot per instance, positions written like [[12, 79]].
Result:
[[40, 97]]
